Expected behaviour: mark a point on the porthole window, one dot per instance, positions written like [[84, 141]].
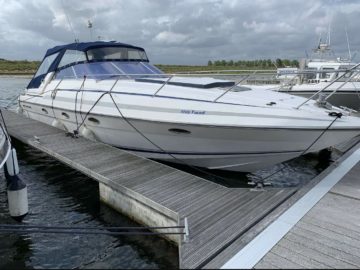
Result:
[[179, 131], [65, 115], [94, 120]]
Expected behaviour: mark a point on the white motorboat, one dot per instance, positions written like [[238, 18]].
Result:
[[110, 92], [321, 71]]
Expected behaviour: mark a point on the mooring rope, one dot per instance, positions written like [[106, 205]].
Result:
[[78, 126], [337, 116]]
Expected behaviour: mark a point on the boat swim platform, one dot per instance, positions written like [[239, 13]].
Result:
[[155, 194]]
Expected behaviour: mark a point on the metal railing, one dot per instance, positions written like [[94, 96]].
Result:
[[354, 68], [237, 76]]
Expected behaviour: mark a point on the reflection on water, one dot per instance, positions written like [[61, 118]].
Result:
[[59, 195]]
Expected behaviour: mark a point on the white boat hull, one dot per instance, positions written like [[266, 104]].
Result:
[[227, 148]]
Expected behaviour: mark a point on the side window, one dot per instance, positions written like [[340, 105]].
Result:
[[46, 63], [72, 56], [325, 75], [137, 55], [311, 75]]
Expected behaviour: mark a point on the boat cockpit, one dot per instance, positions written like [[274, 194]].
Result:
[[97, 60]]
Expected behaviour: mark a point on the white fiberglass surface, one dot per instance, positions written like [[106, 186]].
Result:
[[257, 97]]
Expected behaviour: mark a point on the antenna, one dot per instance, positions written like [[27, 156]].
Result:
[[69, 22], [347, 39], [90, 25]]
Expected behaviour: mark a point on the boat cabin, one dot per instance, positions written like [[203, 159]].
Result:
[[325, 71], [98, 60]]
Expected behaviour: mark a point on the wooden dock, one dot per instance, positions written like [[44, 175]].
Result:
[[318, 227], [328, 236], [155, 194]]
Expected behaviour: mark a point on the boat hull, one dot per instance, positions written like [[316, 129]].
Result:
[[243, 149]]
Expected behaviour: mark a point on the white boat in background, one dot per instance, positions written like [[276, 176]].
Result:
[[321, 71], [110, 92], [286, 73]]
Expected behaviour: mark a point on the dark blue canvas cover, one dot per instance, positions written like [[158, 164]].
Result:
[[79, 46]]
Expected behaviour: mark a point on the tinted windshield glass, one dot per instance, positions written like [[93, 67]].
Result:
[[117, 53], [104, 70], [72, 56], [46, 63]]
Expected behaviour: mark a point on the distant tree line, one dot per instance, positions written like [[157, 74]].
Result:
[[261, 63], [15, 66]]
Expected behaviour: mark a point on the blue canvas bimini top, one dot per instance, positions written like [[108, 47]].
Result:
[[90, 52], [85, 46]]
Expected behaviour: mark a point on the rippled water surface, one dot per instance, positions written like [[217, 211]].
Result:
[[59, 195]]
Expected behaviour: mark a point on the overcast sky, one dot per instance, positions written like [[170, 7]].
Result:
[[182, 32]]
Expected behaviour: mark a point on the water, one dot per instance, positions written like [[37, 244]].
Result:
[[59, 195]]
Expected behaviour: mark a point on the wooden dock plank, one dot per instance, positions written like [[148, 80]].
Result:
[[273, 260], [231, 225], [315, 254], [193, 196], [329, 224], [328, 235], [291, 255], [336, 249]]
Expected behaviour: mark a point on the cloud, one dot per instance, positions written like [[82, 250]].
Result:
[[170, 38], [181, 31]]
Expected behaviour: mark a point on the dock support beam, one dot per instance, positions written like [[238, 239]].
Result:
[[133, 207]]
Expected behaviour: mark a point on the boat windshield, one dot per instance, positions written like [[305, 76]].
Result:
[[108, 70], [116, 53]]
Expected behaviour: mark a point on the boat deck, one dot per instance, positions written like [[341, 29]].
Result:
[[217, 216]]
